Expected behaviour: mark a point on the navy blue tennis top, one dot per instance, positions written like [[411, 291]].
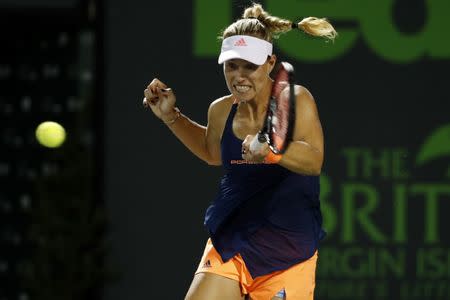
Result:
[[266, 213]]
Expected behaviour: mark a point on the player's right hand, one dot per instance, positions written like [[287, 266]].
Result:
[[161, 99]]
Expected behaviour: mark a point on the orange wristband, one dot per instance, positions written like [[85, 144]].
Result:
[[272, 158]]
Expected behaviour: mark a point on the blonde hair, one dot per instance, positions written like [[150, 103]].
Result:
[[257, 22]]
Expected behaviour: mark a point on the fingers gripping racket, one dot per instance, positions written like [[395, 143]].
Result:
[[279, 124]]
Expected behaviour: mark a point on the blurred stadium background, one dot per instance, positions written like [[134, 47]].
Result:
[[117, 211]]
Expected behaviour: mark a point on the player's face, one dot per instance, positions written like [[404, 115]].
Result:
[[246, 80]]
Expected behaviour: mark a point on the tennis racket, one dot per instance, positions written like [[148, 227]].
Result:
[[279, 124]]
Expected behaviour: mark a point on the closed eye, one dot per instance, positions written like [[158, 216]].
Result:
[[231, 66], [251, 67]]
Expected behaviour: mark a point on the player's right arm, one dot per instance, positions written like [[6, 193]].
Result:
[[203, 141]]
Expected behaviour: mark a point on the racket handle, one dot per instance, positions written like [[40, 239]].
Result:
[[258, 143]]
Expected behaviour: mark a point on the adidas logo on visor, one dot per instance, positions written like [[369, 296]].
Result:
[[240, 42], [249, 48]]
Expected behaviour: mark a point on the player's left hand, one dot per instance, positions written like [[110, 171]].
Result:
[[257, 155]]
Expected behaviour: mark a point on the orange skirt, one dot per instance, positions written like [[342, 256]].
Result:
[[297, 282]]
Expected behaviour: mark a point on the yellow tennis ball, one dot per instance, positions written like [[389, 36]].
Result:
[[50, 134]]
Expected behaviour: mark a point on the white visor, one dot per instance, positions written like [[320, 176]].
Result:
[[245, 47]]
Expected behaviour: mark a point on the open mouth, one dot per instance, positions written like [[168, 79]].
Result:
[[242, 88]]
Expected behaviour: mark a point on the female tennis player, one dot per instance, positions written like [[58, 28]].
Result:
[[265, 224]]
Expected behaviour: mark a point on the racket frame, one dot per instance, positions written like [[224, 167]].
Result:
[[265, 134]]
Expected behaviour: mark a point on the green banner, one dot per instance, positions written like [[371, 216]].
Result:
[[373, 22]]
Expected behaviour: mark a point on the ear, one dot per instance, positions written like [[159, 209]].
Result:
[[271, 62]]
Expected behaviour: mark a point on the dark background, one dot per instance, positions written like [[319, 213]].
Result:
[[155, 192]]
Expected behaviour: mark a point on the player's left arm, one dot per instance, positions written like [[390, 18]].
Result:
[[304, 154]]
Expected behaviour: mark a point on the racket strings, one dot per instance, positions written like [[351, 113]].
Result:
[[280, 109]]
